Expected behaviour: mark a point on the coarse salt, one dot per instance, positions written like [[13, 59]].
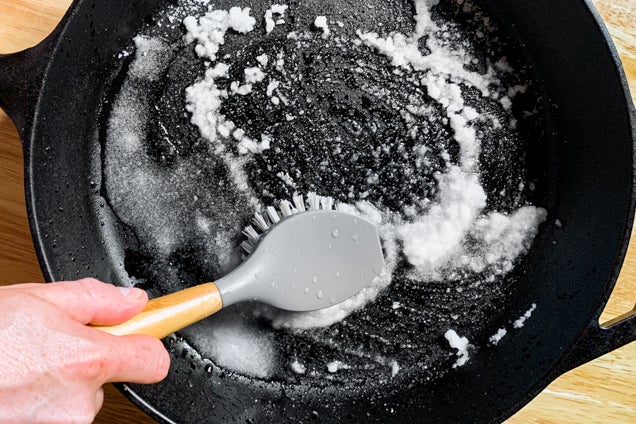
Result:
[[496, 338], [459, 343], [321, 23], [519, 322]]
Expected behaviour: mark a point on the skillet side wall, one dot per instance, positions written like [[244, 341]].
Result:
[[570, 271], [569, 280], [62, 182]]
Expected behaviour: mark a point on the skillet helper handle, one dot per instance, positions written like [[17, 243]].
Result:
[[600, 339], [167, 314], [22, 76]]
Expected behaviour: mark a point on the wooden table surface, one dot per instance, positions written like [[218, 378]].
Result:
[[603, 391]]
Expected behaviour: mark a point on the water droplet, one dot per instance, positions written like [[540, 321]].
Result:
[[295, 270], [335, 233], [306, 290], [329, 246], [337, 274], [355, 221], [273, 284], [320, 294], [272, 248], [355, 238], [332, 300], [315, 279]]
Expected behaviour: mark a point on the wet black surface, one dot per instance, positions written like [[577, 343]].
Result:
[[350, 136]]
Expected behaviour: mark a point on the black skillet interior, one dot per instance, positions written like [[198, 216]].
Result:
[[585, 183]]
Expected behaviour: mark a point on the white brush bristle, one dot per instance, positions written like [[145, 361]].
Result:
[[345, 207], [251, 234], [286, 208], [264, 221], [260, 222], [299, 202], [247, 246], [326, 203], [272, 214], [313, 202]]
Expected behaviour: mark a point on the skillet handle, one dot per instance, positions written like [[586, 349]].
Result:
[[22, 75], [598, 340], [166, 314]]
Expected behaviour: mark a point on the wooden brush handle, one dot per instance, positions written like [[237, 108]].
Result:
[[167, 314]]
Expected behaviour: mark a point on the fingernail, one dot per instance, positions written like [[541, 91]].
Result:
[[130, 292]]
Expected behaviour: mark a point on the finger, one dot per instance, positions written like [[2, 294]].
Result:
[[135, 359], [99, 399], [91, 301]]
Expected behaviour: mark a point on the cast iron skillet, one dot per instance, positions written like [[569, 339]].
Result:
[[54, 91]]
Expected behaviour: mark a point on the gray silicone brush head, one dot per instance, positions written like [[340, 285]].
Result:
[[308, 261]]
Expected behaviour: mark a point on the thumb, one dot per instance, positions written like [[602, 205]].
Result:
[[89, 300]]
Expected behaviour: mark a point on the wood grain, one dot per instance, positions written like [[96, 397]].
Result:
[[603, 391], [166, 314]]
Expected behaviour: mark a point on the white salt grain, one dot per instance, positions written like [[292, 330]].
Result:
[[150, 53], [321, 23], [496, 338], [395, 368], [209, 32], [236, 344], [506, 102], [225, 128], [273, 85], [298, 368], [240, 89], [519, 322], [335, 366], [275, 9], [287, 179], [459, 343], [220, 70], [431, 241], [253, 75], [240, 20], [262, 59]]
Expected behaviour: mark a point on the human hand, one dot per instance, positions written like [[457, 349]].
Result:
[[53, 366]]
